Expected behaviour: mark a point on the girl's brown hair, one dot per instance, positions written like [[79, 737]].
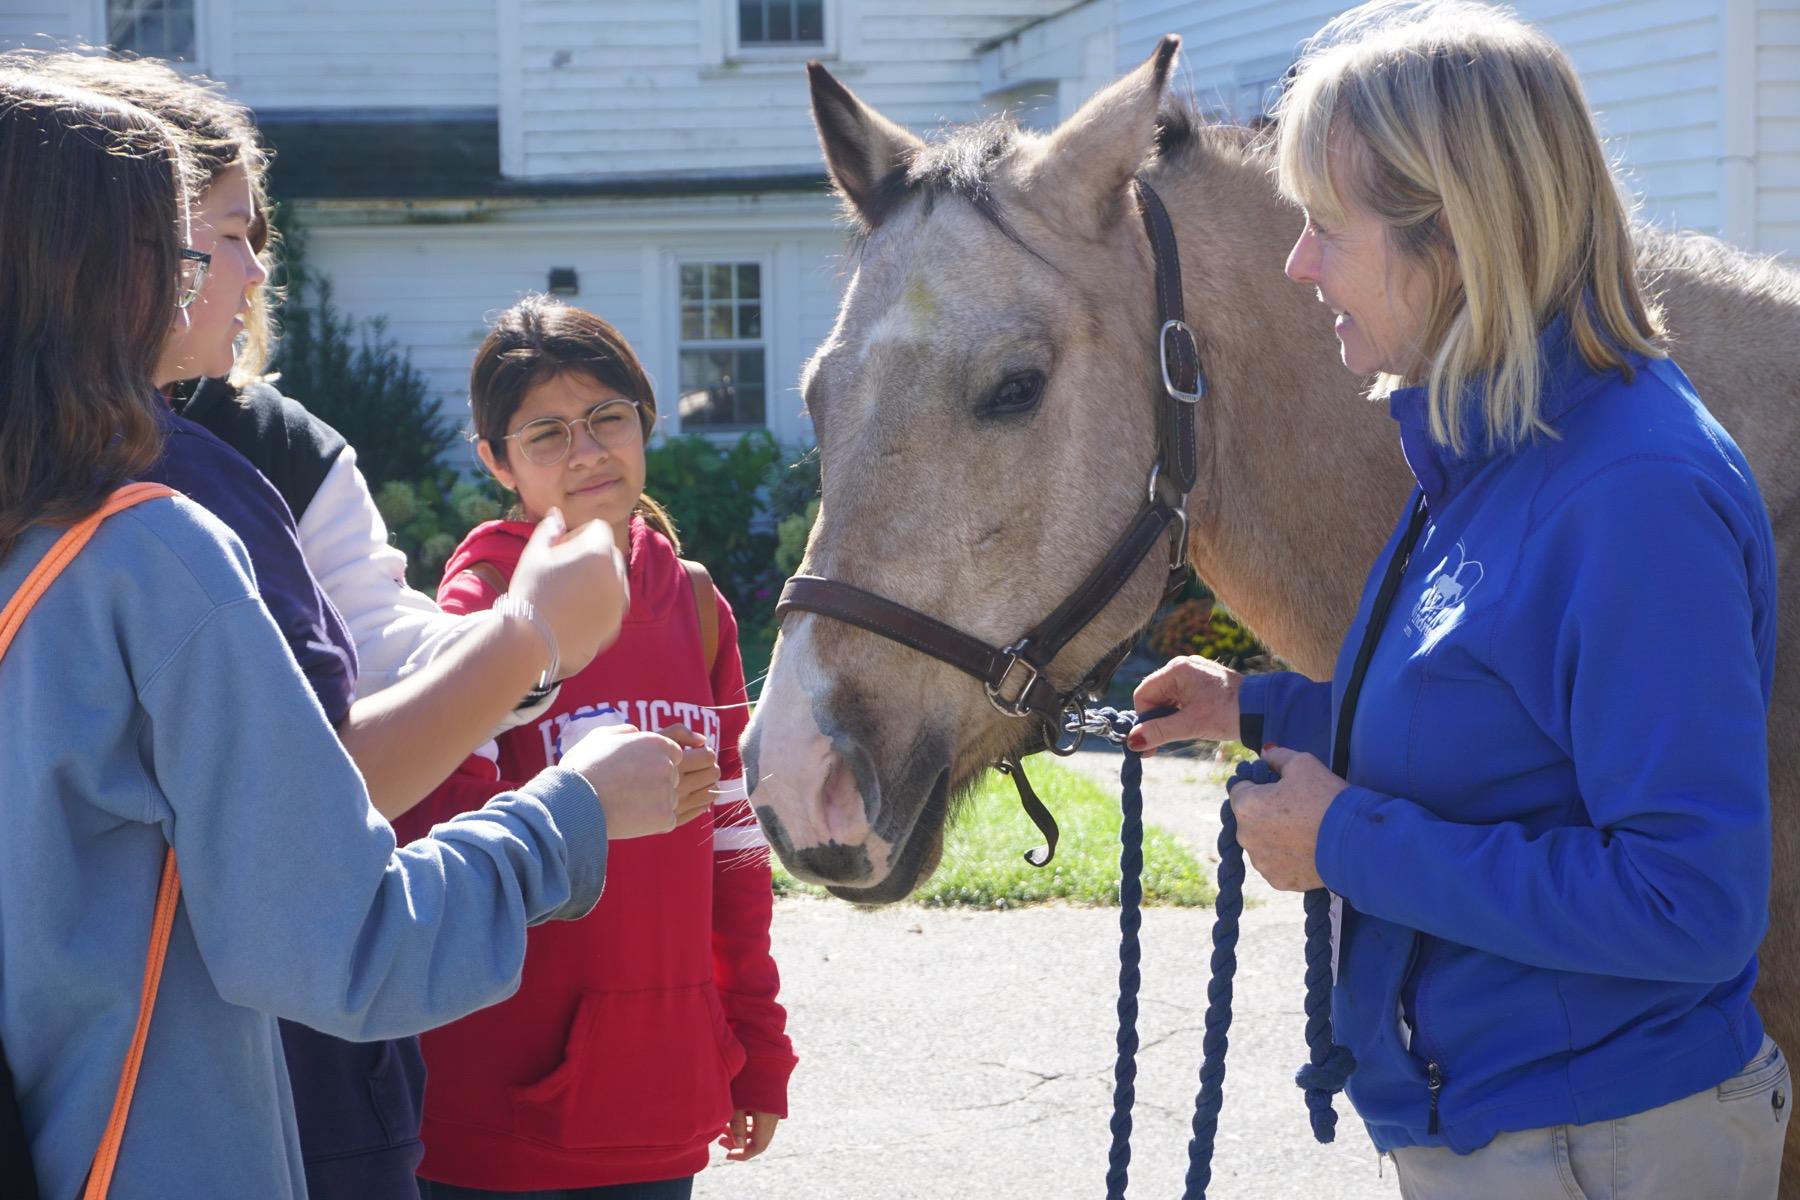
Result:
[[538, 339], [215, 133], [90, 230]]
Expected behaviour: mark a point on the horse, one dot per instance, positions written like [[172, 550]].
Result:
[[985, 418]]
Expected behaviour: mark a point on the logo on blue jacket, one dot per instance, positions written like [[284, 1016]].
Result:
[[1440, 606]]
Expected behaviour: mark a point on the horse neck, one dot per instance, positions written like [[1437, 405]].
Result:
[[1301, 478]]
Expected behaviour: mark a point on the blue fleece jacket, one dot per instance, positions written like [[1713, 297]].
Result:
[[1554, 852], [151, 701]]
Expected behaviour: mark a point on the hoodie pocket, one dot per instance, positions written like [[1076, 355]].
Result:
[[648, 1068]]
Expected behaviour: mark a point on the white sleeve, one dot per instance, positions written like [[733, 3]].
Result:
[[345, 542], [397, 630]]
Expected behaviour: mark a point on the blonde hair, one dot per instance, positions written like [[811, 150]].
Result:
[[1465, 131]]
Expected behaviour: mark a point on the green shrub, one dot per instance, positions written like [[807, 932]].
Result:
[[356, 378], [1195, 623], [711, 489], [737, 505], [427, 519]]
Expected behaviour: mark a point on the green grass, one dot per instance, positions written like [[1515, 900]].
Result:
[[983, 865]]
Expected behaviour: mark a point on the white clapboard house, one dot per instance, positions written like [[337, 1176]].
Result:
[[655, 161]]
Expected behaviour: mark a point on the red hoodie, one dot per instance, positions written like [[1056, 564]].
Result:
[[637, 1029]]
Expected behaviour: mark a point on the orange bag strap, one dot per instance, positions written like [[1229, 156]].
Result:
[[168, 890], [168, 895]]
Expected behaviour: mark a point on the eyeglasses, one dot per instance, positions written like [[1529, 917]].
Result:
[[611, 423], [194, 264]]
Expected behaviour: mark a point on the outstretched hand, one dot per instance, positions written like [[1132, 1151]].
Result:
[[1278, 823], [1203, 693]]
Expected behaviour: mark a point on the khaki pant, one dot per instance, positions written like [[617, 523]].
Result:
[[1720, 1144]]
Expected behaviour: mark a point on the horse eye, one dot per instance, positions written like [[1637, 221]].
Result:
[[1017, 393]]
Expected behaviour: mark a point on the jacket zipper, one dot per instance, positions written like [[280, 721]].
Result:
[[1434, 1073], [1434, 1080]]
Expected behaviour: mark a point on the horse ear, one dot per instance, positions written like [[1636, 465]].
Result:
[[1088, 161], [865, 152]]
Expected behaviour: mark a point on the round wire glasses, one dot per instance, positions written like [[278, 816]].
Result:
[[547, 440]]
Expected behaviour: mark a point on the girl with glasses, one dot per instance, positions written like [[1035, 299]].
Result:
[[644, 1032]]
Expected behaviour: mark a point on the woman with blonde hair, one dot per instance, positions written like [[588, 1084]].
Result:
[[1539, 801]]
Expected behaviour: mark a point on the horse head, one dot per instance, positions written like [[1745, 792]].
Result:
[[985, 422]]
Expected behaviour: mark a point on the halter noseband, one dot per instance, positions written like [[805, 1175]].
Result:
[[1016, 677]]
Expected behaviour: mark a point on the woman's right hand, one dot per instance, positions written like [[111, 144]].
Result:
[[635, 774], [576, 581], [1203, 693]]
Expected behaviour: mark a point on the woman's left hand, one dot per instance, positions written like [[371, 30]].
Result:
[[749, 1135], [1278, 823]]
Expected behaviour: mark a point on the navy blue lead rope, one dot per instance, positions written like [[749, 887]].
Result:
[[1330, 1064]]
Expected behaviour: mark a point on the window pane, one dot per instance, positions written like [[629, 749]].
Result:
[[750, 404], [721, 388], [749, 281], [158, 28], [153, 34], [718, 281], [781, 21], [690, 282], [693, 327], [750, 22], [718, 321], [749, 320], [809, 21]]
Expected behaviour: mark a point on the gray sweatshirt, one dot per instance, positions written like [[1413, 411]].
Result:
[[150, 701]]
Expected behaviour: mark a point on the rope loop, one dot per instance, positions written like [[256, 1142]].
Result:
[[1330, 1064]]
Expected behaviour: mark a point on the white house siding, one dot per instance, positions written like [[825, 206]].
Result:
[[314, 54], [1777, 100], [1652, 70], [1043, 72], [39, 23], [1231, 50], [646, 86], [438, 284], [358, 54]]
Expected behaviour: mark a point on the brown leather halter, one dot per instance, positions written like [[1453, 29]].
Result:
[[1016, 677]]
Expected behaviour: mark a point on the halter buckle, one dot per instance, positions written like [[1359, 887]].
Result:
[[1014, 655], [1162, 354]]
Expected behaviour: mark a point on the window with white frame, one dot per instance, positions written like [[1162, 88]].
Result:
[[780, 24], [153, 28], [724, 355]]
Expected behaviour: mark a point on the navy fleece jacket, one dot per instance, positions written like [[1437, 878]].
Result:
[[1554, 853]]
